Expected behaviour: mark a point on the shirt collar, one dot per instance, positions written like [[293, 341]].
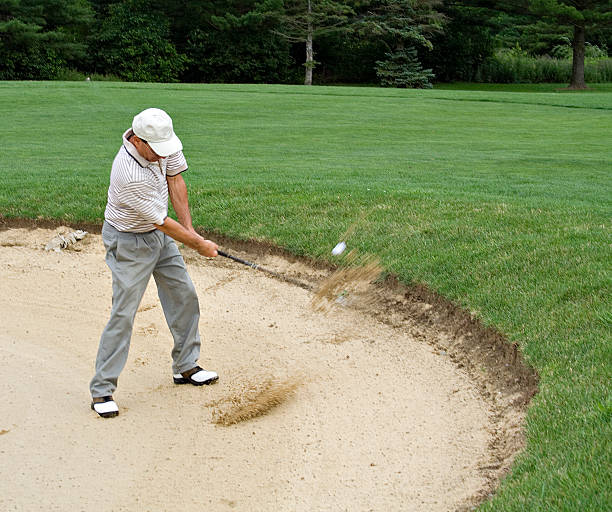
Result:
[[131, 149]]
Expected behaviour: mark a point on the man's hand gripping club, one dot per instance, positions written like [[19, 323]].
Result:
[[189, 237]]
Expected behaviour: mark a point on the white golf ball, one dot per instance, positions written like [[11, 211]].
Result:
[[339, 249]]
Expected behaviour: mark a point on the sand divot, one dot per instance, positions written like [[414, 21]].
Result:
[[253, 397], [146, 307], [147, 330]]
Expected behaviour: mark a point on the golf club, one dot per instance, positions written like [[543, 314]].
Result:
[[287, 279]]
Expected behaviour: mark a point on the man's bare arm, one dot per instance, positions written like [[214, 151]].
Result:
[[189, 237], [179, 199]]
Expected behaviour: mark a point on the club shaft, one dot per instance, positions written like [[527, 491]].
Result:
[[287, 279], [239, 260]]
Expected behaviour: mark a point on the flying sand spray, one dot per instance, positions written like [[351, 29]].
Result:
[[341, 246], [351, 283], [348, 284]]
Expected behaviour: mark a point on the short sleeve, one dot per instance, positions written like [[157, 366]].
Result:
[[176, 164]]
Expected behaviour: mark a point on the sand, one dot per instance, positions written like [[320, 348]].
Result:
[[370, 417]]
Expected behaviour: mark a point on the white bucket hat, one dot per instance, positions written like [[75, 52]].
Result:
[[155, 127]]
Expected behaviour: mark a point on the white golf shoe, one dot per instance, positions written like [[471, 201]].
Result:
[[196, 376]]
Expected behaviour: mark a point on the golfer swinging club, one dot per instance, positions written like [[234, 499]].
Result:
[[138, 237]]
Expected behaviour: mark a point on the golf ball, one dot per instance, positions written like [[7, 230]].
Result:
[[339, 249]]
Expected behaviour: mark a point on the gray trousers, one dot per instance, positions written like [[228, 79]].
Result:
[[133, 258]]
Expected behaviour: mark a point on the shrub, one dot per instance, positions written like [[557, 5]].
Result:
[[591, 51], [33, 62], [402, 69], [133, 42], [598, 70]]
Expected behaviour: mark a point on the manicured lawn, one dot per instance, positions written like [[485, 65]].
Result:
[[545, 87], [501, 201]]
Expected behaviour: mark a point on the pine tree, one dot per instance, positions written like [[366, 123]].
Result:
[[39, 38], [583, 16], [401, 25], [403, 69], [577, 16]]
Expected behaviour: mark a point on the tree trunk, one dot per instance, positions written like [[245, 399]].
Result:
[[309, 61], [309, 52], [577, 81]]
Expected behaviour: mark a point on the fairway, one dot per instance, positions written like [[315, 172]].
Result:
[[500, 202]]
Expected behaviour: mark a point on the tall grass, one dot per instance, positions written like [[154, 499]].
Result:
[[511, 67]]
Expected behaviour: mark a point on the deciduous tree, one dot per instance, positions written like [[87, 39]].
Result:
[[134, 43], [302, 21], [238, 44]]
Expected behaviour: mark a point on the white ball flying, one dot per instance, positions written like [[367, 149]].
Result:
[[339, 249]]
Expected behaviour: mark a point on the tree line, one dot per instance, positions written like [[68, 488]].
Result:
[[400, 43]]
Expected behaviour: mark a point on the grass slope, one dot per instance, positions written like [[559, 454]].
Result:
[[499, 200]]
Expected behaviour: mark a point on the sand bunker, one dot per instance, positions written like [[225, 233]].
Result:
[[354, 414]]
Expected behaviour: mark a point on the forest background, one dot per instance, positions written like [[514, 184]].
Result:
[[402, 43]]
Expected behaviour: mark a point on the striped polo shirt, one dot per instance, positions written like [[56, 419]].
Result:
[[138, 191]]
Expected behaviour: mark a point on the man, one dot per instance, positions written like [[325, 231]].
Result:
[[138, 237]]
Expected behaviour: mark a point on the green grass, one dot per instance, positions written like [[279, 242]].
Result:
[[501, 201], [543, 87]]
